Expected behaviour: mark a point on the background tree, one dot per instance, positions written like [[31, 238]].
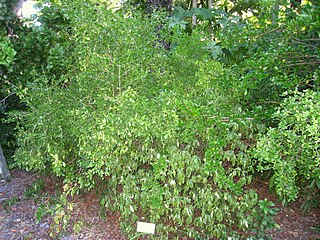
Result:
[[7, 54], [39, 49], [4, 172]]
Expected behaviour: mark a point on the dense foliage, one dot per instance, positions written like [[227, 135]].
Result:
[[168, 121], [7, 54], [38, 51], [291, 149], [7, 10]]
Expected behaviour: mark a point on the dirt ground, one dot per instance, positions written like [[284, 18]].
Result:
[[19, 206]]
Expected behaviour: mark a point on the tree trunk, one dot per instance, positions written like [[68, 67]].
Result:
[[194, 17], [4, 172]]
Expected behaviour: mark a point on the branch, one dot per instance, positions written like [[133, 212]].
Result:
[[301, 56], [310, 39], [303, 43], [270, 31], [302, 63], [3, 100]]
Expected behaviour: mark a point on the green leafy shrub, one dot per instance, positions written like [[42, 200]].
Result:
[[161, 134], [7, 11], [7, 56], [291, 150], [269, 59], [38, 48], [7, 53]]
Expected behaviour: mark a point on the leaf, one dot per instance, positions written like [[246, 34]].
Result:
[[131, 208]]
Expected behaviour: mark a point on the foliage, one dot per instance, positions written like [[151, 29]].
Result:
[[162, 133], [35, 189], [162, 118], [291, 150], [60, 208], [42, 48], [7, 10], [264, 218], [271, 59], [39, 47], [8, 203], [7, 53]]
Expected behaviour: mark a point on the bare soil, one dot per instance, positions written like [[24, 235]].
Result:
[[18, 209]]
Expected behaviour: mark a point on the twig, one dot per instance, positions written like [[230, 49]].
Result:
[[310, 56], [302, 63], [310, 39], [272, 30], [5, 222], [3, 100], [306, 44]]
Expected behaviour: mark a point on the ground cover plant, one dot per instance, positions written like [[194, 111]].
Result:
[[168, 123]]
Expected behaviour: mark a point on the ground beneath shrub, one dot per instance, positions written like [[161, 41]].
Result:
[[19, 206], [294, 223], [18, 209]]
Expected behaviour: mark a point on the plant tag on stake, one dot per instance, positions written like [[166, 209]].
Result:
[[146, 227]]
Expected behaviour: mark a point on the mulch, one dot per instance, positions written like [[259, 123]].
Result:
[[295, 224], [18, 221]]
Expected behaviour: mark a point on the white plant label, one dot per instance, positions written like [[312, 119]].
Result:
[[146, 227]]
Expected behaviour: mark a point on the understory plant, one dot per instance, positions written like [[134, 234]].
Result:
[[271, 57], [161, 133], [7, 56], [291, 150]]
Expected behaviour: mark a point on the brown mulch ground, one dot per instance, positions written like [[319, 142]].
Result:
[[18, 221], [17, 214], [294, 223]]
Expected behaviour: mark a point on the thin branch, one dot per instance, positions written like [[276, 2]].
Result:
[[270, 31], [310, 39], [306, 44], [301, 56], [302, 63], [3, 100]]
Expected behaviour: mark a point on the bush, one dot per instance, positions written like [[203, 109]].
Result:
[[269, 59], [291, 150], [7, 54], [161, 133], [40, 49]]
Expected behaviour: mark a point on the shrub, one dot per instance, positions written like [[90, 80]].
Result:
[[269, 59], [7, 55], [161, 133], [291, 150], [38, 47]]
